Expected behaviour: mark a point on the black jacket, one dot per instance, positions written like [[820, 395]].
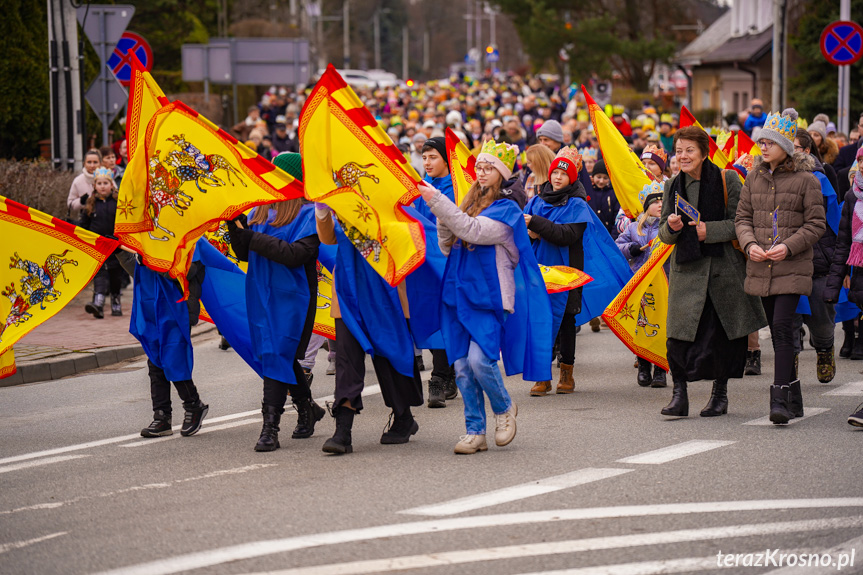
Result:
[[513, 190], [606, 206], [563, 234], [101, 221], [847, 155], [822, 251], [838, 267], [303, 252]]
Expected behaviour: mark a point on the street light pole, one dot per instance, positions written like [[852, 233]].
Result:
[[404, 53], [377, 34], [346, 32]]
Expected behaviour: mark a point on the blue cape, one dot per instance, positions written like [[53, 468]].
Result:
[[223, 294], [444, 186], [472, 307], [602, 258], [160, 321], [277, 299], [371, 308], [834, 210]]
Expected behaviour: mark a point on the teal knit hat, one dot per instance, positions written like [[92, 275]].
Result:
[[290, 162]]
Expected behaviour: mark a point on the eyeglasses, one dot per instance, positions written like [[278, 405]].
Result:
[[483, 169], [766, 144], [799, 148]]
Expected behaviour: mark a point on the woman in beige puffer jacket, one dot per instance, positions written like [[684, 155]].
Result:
[[781, 190]]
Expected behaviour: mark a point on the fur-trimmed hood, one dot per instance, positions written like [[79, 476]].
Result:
[[799, 162]]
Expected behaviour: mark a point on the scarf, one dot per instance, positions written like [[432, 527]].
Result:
[[855, 256], [711, 205]]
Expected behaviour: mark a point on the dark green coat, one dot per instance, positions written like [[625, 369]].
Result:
[[721, 277]]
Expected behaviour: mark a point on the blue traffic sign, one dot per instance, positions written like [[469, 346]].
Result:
[[842, 43], [121, 60]]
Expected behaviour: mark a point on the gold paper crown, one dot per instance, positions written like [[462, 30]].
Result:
[[590, 153], [570, 155], [103, 173], [785, 125], [656, 151], [506, 153], [651, 189]]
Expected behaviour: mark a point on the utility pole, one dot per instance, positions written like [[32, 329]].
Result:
[[777, 95], [426, 50], [842, 117], [346, 32], [404, 53], [478, 35], [377, 33], [468, 17], [322, 58]]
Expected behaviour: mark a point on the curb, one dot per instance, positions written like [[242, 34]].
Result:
[[77, 362]]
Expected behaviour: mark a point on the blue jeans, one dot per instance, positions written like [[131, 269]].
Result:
[[475, 374]]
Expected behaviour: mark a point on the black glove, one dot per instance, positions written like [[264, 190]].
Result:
[[84, 199], [635, 250], [240, 237]]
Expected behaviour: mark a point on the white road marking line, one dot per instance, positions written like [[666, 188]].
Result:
[[254, 549], [685, 565], [204, 430], [450, 558], [808, 411], [19, 544], [673, 452], [145, 487], [516, 492], [46, 461], [370, 390], [854, 546], [854, 388]]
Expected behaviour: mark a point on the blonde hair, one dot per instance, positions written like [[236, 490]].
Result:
[[285, 213], [540, 158], [475, 201], [642, 218]]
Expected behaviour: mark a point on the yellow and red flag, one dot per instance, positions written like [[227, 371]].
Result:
[[50, 262], [717, 156], [727, 142], [638, 314], [628, 175], [562, 278], [352, 165], [745, 145], [194, 175], [461, 163], [325, 323]]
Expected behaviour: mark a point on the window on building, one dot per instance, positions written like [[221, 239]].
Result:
[[735, 99], [745, 99], [705, 99]]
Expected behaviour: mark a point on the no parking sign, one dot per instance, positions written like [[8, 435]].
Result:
[[842, 43], [120, 61]]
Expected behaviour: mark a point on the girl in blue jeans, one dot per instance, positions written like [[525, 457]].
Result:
[[493, 297]]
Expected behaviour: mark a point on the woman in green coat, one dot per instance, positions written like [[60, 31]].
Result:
[[709, 314]]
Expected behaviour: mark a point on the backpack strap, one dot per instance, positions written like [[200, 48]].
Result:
[[725, 187]]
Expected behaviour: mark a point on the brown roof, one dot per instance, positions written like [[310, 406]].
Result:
[[749, 48]]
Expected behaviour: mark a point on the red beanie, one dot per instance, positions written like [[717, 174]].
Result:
[[569, 160]]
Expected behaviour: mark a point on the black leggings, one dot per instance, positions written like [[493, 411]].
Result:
[[276, 392], [567, 339], [780, 316]]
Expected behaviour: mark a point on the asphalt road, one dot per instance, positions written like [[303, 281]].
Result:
[[595, 482]]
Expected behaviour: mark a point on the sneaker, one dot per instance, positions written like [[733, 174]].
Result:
[[470, 444], [195, 414], [504, 429], [331, 367], [450, 389], [160, 427], [856, 418], [437, 396]]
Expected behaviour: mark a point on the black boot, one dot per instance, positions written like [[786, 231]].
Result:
[[95, 308], [223, 344], [848, 328], [269, 440], [753, 362], [857, 348], [340, 442], [659, 379], [644, 367], [795, 399], [437, 393], [308, 414], [796, 364], [400, 430], [116, 305], [779, 396], [679, 405], [161, 425], [718, 403]]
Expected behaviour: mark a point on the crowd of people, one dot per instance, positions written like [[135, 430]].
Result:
[[780, 226]]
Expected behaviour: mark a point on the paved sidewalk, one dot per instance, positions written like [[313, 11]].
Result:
[[74, 341]]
